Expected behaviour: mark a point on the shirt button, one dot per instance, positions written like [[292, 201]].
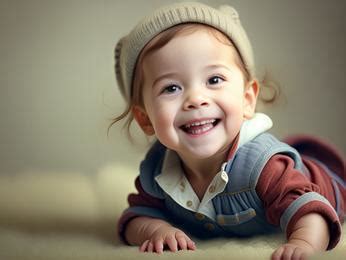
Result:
[[199, 216], [221, 220], [182, 186], [209, 226], [212, 189], [189, 203]]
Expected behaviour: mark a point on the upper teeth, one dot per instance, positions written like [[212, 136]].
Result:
[[210, 121]]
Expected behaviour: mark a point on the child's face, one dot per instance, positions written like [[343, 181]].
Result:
[[194, 94]]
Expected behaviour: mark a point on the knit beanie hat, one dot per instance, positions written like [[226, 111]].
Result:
[[224, 19]]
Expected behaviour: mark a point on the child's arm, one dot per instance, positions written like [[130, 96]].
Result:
[[153, 234], [310, 235], [295, 204]]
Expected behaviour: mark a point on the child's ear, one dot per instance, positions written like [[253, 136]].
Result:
[[250, 98], [143, 120]]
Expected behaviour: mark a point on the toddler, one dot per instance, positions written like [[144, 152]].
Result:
[[187, 73]]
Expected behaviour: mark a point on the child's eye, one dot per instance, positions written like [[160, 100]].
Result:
[[215, 80], [170, 89]]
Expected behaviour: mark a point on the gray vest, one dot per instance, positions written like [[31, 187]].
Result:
[[239, 210]]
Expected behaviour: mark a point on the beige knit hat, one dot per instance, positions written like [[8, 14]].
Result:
[[225, 19]]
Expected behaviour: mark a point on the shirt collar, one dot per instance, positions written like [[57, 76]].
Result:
[[251, 128]]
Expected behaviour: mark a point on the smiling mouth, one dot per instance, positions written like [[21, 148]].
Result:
[[200, 127]]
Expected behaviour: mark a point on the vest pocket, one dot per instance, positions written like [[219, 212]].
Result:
[[236, 219]]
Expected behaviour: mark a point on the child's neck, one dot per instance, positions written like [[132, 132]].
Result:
[[200, 172]]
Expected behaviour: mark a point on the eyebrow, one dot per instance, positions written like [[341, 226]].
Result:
[[217, 66], [163, 76]]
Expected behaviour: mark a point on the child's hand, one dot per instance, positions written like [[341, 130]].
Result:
[[310, 235], [169, 236], [291, 251]]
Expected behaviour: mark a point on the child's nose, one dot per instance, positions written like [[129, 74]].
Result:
[[195, 100]]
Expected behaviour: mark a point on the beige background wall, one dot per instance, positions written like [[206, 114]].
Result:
[[57, 87]]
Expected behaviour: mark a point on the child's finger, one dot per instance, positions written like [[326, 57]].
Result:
[[182, 242], [191, 245], [277, 254], [159, 246], [150, 247], [288, 252], [143, 247], [172, 243]]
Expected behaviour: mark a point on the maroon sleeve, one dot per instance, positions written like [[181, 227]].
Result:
[[140, 199], [280, 186]]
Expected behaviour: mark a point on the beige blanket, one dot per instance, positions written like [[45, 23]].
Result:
[[68, 215]]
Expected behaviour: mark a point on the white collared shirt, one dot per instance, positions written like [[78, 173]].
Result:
[[174, 182]]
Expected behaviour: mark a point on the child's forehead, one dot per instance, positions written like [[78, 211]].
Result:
[[189, 53]]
